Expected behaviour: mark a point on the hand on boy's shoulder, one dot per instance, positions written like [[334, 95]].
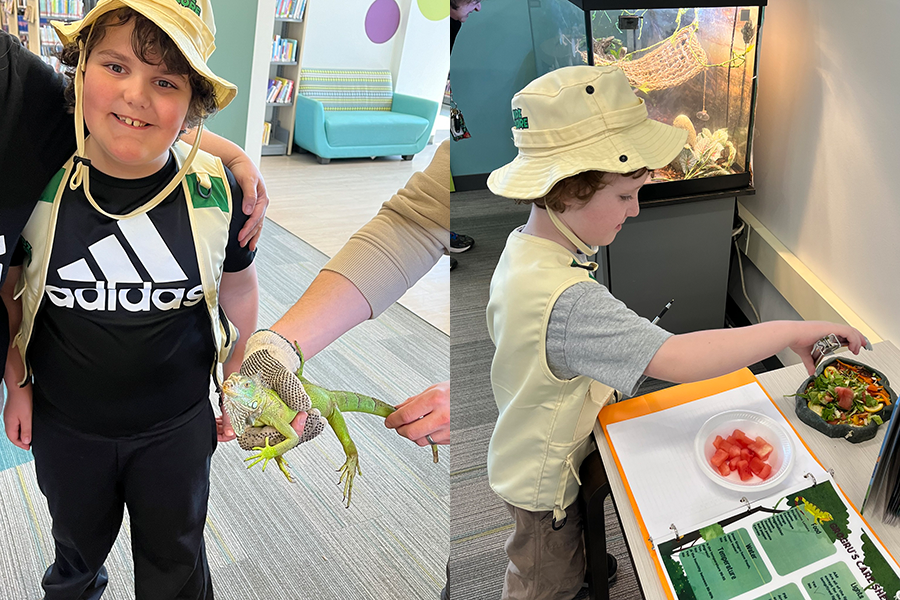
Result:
[[237, 257], [254, 202]]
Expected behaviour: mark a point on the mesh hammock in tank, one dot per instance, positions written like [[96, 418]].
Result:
[[672, 62]]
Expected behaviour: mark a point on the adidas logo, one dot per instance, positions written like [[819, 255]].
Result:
[[117, 269]]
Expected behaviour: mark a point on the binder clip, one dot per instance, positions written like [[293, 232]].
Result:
[[745, 501], [811, 476], [677, 536]]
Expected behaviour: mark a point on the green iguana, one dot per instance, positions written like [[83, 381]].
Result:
[[252, 404]]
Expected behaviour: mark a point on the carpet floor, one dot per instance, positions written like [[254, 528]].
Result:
[[268, 539]]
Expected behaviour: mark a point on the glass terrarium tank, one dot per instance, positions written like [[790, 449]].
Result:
[[694, 67]]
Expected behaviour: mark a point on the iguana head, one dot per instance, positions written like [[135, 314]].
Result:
[[242, 398]]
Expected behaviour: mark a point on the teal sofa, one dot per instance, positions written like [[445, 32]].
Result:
[[353, 113]]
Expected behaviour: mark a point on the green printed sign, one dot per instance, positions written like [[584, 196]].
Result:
[[793, 539], [724, 567], [788, 592], [833, 583]]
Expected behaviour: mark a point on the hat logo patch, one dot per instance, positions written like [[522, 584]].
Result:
[[520, 121], [190, 4]]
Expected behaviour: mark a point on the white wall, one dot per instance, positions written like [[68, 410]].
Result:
[[336, 37], [424, 58], [827, 150], [418, 55]]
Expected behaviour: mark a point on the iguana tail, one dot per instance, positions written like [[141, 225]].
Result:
[[352, 402]]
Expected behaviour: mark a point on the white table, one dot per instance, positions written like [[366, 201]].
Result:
[[852, 463]]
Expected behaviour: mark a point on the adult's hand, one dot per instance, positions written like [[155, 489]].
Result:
[[427, 413], [247, 176], [256, 200]]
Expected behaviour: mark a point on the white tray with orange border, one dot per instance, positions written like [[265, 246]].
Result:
[[799, 539]]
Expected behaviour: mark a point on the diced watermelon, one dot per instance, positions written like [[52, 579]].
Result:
[[764, 449], [756, 465], [718, 458], [742, 454], [741, 437]]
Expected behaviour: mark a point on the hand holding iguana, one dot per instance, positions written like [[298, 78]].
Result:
[[265, 397]]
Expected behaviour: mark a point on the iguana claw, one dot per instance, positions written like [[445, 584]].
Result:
[[267, 453], [349, 470]]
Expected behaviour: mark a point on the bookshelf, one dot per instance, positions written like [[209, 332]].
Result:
[[32, 23], [9, 18], [284, 75]]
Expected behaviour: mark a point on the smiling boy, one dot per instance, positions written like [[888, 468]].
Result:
[[585, 149], [123, 317]]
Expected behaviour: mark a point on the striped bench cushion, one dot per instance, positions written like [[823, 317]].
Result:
[[348, 89]]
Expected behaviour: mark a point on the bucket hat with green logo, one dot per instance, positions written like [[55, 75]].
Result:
[[577, 119], [190, 24]]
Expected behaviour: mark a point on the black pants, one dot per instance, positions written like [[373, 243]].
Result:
[[163, 479]]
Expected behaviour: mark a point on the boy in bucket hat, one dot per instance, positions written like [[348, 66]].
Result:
[[563, 342], [123, 317]]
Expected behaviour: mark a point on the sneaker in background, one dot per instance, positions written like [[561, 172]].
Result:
[[460, 242]]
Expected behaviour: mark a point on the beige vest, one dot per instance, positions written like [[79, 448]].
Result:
[[208, 196], [543, 431]]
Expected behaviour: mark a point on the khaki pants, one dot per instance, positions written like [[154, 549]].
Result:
[[544, 564]]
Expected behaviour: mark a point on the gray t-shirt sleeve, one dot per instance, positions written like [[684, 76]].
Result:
[[593, 334]]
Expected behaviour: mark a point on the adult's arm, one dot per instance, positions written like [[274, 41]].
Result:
[[248, 177], [376, 266], [379, 263]]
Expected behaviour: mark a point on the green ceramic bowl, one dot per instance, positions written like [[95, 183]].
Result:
[[851, 433]]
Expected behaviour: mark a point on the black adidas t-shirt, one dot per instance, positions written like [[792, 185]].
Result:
[[37, 136], [122, 342]]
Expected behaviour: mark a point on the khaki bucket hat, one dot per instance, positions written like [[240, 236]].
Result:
[[189, 23], [578, 119]]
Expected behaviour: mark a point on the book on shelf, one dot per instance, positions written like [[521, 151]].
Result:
[[798, 538], [61, 9], [883, 496], [280, 91], [267, 133], [290, 9], [284, 49]]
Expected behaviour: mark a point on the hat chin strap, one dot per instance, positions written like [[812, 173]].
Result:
[[81, 175], [569, 235]]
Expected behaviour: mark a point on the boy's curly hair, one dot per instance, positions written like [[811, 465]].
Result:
[[153, 47], [581, 186]]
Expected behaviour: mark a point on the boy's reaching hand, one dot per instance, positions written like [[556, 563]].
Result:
[[816, 330], [17, 416]]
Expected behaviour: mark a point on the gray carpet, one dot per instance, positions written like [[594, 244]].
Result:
[[268, 539], [480, 524]]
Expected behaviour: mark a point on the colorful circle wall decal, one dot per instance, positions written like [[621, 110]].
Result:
[[434, 10], [382, 20]]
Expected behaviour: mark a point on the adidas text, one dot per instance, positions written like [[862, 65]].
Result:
[[130, 299]]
